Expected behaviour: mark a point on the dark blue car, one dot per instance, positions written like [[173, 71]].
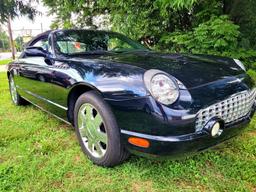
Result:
[[123, 98]]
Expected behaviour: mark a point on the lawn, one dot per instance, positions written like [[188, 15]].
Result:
[[5, 61], [40, 153]]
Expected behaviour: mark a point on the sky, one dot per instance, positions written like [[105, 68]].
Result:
[[23, 25]]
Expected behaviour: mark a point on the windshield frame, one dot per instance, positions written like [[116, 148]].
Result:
[[125, 38]]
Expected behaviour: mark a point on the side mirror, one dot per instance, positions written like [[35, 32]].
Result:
[[36, 52]]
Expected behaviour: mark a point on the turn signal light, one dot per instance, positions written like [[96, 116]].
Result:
[[139, 142]]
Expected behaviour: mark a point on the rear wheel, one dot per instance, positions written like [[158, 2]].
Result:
[[16, 98], [97, 130]]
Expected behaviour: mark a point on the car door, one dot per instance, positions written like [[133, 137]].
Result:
[[36, 77]]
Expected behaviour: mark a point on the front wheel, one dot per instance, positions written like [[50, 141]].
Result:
[[97, 130]]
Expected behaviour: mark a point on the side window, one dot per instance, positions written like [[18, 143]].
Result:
[[42, 43], [38, 42]]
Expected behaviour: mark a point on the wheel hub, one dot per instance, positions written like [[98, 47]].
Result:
[[92, 130], [13, 90]]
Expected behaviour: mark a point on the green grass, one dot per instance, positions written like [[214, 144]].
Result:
[[5, 61], [40, 153]]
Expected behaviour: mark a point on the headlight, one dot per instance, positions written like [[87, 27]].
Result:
[[161, 86], [240, 64]]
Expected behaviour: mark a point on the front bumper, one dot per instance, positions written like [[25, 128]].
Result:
[[175, 146], [169, 131]]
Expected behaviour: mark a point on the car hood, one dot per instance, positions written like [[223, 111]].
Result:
[[192, 70], [209, 79]]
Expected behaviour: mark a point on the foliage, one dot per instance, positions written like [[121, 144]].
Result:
[[242, 13], [215, 36], [4, 41], [14, 8], [252, 73], [147, 20], [129, 18], [124, 14], [40, 153], [218, 36], [164, 5], [19, 43], [75, 14]]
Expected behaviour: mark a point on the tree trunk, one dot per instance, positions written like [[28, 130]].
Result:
[[11, 38]]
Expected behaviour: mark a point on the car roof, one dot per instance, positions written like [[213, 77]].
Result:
[[39, 36]]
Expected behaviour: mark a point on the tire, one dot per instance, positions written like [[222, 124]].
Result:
[[16, 98], [97, 131]]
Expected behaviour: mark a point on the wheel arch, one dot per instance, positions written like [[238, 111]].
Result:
[[75, 92], [10, 72]]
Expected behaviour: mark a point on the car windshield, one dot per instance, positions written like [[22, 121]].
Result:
[[72, 42]]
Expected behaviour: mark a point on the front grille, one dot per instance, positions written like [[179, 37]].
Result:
[[229, 110]]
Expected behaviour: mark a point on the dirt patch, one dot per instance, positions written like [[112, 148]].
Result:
[[142, 186]]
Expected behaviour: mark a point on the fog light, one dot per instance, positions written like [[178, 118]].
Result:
[[215, 129]]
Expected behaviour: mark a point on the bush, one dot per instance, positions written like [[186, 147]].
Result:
[[218, 36], [252, 74]]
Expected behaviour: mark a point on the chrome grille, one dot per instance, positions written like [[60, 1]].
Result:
[[229, 110]]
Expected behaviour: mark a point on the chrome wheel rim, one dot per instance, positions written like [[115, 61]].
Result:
[[92, 130], [13, 90]]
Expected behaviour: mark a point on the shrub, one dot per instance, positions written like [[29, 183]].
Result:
[[218, 36]]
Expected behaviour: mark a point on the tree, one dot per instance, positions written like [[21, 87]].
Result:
[[217, 36], [243, 13], [75, 14], [140, 19], [14, 8], [4, 43], [19, 43]]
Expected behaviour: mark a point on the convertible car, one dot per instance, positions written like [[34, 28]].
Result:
[[123, 98]]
